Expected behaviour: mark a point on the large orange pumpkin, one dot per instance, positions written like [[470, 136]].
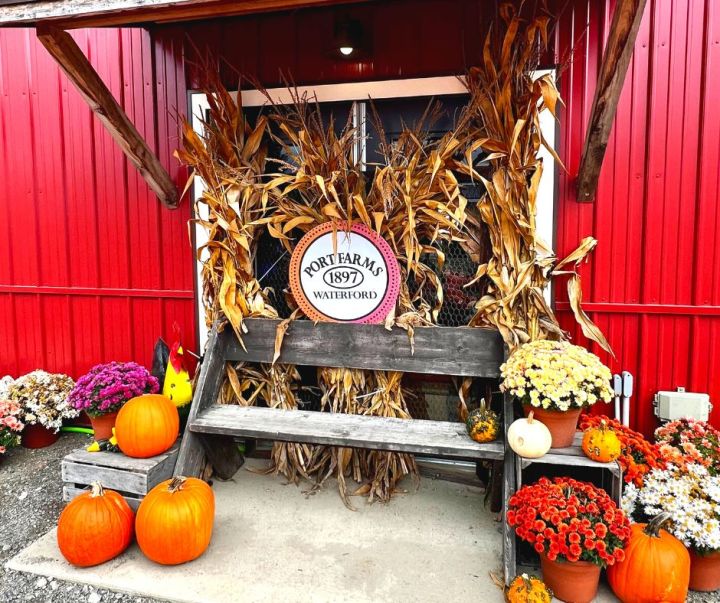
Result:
[[95, 527], [175, 520], [656, 568], [147, 425]]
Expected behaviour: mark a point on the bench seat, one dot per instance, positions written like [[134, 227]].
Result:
[[439, 438]]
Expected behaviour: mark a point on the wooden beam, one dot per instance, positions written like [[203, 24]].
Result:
[[615, 62], [70, 14], [76, 66], [462, 351]]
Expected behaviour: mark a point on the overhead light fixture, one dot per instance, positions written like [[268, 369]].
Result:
[[348, 39]]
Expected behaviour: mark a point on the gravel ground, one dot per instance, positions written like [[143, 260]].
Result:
[[30, 503]]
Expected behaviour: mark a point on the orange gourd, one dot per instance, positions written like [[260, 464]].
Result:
[[601, 444], [175, 520], [95, 527], [656, 568], [527, 589], [147, 425]]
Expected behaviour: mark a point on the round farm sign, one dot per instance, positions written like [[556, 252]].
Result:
[[358, 281]]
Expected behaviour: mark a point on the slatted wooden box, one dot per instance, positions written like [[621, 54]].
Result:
[[133, 478]]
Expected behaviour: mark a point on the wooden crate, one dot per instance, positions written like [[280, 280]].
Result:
[[133, 478]]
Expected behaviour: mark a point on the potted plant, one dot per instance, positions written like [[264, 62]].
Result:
[[638, 457], [556, 380], [43, 401], [10, 425], [105, 388], [691, 498], [575, 527], [690, 441]]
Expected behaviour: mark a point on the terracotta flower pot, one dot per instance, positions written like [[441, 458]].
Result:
[[562, 424], [103, 425], [572, 582], [37, 436], [704, 571]]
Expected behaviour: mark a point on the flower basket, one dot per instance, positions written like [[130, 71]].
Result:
[[10, 425], [570, 523], [638, 456], [556, 380], [103, 390], [43, 401], [691, 498], [690, 441]]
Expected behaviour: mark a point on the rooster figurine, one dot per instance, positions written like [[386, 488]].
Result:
[[177, 385]]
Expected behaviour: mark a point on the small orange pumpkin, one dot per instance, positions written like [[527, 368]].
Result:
[[147, 425], [175, 520], [95, 527], [601, 444], [656, 566]]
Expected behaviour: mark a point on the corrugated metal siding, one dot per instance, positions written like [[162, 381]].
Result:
[[92, 268], [653, 284]]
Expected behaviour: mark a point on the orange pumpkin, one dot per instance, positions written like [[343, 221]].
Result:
[[656, 566], [601, 444], [175, 520], [147, 425], [95, 527]]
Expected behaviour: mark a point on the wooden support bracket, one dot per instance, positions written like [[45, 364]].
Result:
[[76, 66], [615, 62]]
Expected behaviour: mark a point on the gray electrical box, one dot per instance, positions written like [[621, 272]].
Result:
[[681, 404]]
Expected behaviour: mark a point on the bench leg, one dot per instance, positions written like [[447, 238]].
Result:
[[509, 488], [191, 460]]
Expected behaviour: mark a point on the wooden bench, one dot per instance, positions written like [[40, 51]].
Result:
[[462, 351]]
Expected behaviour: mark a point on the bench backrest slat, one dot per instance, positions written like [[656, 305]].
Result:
[[463, 351]]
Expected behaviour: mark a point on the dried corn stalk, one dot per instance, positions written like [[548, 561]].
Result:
[[503, 117], [231, 160]]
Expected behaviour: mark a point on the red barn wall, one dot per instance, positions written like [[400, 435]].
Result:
[[92, 268], [653, 284]]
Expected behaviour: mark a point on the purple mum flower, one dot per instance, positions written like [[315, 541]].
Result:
[[106, 387]]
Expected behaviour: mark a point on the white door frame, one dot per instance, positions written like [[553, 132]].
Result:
[[376, 90]]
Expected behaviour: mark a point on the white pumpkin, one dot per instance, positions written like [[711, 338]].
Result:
[[529, 438]]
